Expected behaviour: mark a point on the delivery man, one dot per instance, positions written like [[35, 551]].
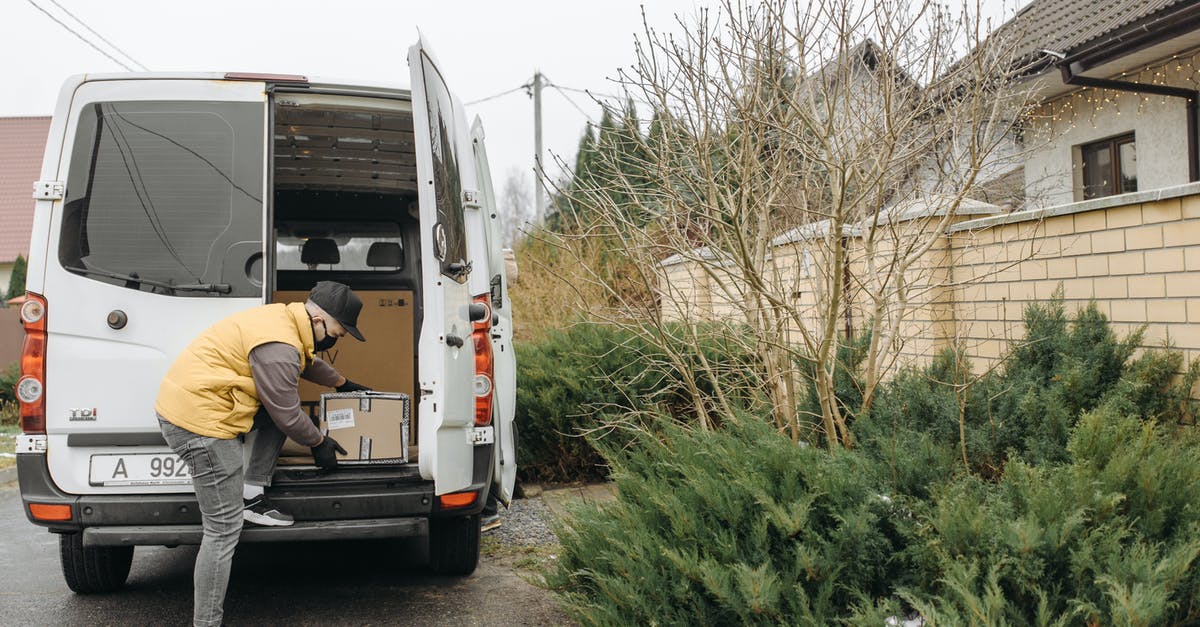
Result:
[[240, 374]]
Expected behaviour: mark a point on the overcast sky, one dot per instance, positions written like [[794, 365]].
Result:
[[484, 48]]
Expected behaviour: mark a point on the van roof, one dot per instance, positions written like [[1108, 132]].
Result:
[[315, 82]]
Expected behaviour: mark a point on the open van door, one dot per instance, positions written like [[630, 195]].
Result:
[[156, 232], [447, 372], [504, 360]]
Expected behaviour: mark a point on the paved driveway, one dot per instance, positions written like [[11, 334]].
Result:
[[360, 583]]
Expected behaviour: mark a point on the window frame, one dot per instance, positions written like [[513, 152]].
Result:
[[1116, 182], [223, 280]]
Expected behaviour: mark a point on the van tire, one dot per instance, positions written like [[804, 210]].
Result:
[[454, 544], [93, 569]]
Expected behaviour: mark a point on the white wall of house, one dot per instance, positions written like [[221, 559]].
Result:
[[5, 275], [1159, 125]]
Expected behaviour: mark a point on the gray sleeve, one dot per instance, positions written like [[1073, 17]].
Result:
[[321, 373], [275, 367]]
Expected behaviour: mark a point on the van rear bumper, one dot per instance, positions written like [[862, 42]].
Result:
[[360, 503], [170, 535]]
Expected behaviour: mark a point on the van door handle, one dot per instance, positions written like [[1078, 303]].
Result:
[[454, 340]]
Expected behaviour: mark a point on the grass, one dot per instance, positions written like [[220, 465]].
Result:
[[8, 440], [531, 558], [9, 428]]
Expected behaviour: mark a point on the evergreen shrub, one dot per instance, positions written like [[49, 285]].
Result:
[[8, 382], [729, 527], [572, 381], [1111, 537], [1079, 502]]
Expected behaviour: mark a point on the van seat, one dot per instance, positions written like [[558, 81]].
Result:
[[385, 255], [319, 250]]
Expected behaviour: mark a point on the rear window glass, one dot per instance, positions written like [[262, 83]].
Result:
[[373, 254], [449, 238], [167, 197]]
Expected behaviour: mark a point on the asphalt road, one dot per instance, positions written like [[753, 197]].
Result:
[[325, 583]]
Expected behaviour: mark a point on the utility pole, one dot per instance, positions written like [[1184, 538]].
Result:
[[538, 188]]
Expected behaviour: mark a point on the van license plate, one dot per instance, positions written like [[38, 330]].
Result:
[[145, 469]]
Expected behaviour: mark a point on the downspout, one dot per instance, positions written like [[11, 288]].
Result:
[[1190, 96]]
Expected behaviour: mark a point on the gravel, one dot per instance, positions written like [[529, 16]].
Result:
[[525, 523]]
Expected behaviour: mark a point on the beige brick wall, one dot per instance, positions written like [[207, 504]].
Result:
[[1132, 260], [1140, 263]]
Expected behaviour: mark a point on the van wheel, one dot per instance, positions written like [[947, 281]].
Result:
[[454, 545], [93, 569]]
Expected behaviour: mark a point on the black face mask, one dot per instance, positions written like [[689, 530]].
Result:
[[325, 344]]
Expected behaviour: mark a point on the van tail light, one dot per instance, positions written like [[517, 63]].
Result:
[[31, 386], [457, 499], [43, 511], [484, 359]]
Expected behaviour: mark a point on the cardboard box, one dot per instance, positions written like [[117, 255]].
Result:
[[386, 361], [371, 426]]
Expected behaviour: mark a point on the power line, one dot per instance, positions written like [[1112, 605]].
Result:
[[93, 31], [573, 103], [494, 96], [81, 37], [586, 91]]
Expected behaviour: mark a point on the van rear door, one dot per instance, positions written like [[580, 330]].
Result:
[[503, 359], [446, 354], [159, 235]]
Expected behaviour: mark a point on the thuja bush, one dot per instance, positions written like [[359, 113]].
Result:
[[575, 380], [1110, 537], [1028, 406], [737, 526], [1079, 502]]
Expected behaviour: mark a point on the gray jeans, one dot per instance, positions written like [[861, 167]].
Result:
[[218, 477]]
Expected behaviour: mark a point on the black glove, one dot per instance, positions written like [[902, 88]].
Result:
[[324, 453], [350, 386]]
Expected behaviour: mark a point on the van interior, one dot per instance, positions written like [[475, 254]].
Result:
[[345, 209]]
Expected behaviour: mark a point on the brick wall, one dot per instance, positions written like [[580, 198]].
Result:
[[11, 336], [1137, 256]]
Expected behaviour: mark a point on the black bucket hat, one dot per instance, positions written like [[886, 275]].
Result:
[[341, 302]]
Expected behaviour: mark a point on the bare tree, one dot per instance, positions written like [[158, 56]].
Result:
[[806, 161], [516, 207]]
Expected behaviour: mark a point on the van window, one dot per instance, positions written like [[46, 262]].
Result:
[[167, 197], [449, 238]]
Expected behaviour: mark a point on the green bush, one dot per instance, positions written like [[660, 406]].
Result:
[[1111, 537], [1029, 406], [737, 526], [573, 381], [1079, 504], [8, 382]]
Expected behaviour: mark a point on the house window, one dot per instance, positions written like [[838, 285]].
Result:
[[1109, 167]]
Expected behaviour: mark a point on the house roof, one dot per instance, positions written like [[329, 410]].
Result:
[[22, 142], [1102, 28], [1065, 25]]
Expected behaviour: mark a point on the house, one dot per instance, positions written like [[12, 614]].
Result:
[[22, 142], [1101, 204], [1117, 81]]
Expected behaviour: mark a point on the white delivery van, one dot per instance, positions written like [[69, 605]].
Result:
[[169, 201]]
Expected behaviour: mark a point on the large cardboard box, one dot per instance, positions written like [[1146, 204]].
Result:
[[371, 426], [386, 361]]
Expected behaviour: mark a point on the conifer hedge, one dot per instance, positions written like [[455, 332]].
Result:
[[1079, 502], [576, 380]]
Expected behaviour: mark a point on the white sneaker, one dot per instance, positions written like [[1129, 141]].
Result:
[[259, 511]]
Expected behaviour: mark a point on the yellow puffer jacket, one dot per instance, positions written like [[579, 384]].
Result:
[[209, 390]]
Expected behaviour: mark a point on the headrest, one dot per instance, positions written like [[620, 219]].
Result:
[[320, 250], [385, 255]]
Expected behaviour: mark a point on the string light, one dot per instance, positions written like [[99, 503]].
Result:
[[1061, 115]]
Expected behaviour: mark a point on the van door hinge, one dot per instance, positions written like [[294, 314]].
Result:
[[48, 190], [470, 199]]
